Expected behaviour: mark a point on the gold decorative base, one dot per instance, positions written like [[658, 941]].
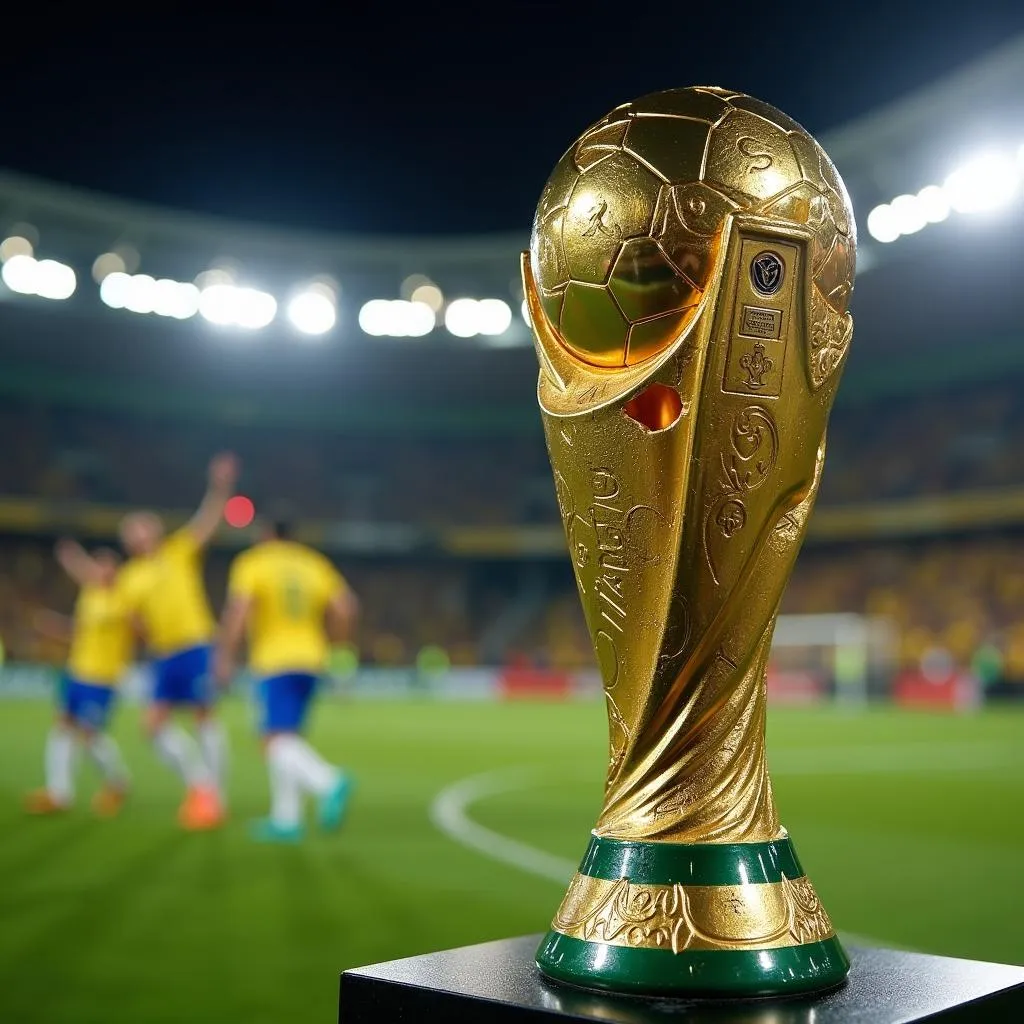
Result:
[[745, 922]]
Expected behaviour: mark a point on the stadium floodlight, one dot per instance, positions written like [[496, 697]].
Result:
[[908, 215], [430, 295], [494, 316], [49, 279], [228, 305], [108, 263], [15, 245], [462, 318], [141, 293], [986, 182], [882, 224], [933, 204], [177, 299], [313, 311], [396, 318], [466, 318]]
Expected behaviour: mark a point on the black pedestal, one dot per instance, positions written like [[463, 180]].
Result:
[[498, 982]]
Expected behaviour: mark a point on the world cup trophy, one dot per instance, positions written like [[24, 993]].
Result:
[[690, 266]]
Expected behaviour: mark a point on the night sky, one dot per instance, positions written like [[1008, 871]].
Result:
[[429, 121]]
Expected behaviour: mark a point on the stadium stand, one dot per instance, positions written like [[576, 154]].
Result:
[[418, 462]]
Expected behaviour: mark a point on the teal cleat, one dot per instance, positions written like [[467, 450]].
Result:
[[266, 830], [333, 804]]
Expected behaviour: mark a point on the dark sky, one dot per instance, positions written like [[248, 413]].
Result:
[[420, 119]]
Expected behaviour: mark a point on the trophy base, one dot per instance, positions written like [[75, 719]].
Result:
[[725, 919], [497, 982]]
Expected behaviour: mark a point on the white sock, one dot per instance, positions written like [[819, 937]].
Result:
[[285, 792], [61, 749], [106, 755], [178, 750], [310, 769], [214, 746]]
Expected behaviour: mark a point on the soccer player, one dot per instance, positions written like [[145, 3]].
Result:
[[101, 648], [294, 602], [163, 587]]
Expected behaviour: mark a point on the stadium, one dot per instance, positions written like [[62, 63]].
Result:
[[380, 393]]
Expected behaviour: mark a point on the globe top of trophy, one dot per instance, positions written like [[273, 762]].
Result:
[[687, 282], [630, 224]]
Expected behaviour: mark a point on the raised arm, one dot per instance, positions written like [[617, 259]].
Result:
[[53, 625], [221, 478], [76, 562]]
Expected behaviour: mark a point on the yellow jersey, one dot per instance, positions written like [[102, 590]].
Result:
[[165, 590], [290, 587], [101, 643]]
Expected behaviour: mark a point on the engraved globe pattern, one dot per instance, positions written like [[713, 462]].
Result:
[[629, 226]]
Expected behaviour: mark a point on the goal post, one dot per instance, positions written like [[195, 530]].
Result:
[[847, 656]]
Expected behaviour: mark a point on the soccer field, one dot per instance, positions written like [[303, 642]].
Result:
[[910, 825]]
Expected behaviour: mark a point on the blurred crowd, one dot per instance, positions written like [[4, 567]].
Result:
[[889, 448], [964, 598], [960, 597]]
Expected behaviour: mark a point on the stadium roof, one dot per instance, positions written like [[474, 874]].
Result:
[[948, 283]]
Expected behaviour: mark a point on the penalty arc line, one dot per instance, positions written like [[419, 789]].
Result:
[[449, 814]]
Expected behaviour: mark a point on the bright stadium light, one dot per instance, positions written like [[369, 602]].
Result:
[[396, 318], [177, 299], [494, 316], [430, 295], [882, 224], [312, 311], [933, 204], [227, 305], [984, 183], [48, 279], [141, 293], [462, 318], [908, 215], [15, 245], [108, 263]]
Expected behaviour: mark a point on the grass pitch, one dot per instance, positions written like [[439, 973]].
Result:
[[910, 825]]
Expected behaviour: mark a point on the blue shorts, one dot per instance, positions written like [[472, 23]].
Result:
[[285, 701], [86, 704], [183, 677]]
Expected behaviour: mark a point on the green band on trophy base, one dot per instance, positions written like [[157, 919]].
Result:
[[738, 972], [691, 863]]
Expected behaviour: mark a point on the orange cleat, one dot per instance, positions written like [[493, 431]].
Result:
[[108, 801], [40, 802], [201, 809]]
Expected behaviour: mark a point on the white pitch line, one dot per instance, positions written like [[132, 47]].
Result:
[[448, 812], [449, 809]]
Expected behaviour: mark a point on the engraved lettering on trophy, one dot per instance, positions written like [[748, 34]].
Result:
[[760, 322], [760, 158], [757, 364], [755, 449], [609, 526], [604, 485], [596, 222]]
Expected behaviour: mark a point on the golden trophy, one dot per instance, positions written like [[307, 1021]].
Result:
[[690, 265]]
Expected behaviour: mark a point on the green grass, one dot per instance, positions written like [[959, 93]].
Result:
[[911, 826]]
